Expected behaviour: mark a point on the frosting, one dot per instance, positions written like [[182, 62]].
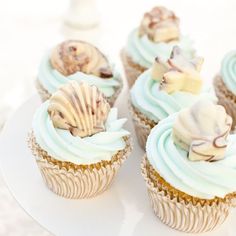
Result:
[[143, 51], [156, 104], [202, 130], [200, 179], [228, 71], [79, 108], [160, 25], [178, 73], [73, 55], [63, 146], [51, 79]]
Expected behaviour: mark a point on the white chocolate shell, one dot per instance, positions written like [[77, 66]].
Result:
[[178, 73], [202, 130], [79, 108]]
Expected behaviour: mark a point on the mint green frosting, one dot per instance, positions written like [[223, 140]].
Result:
[[228, 71], [156, 104], [200, 179], [63, 146], [143, 51], [52, 79]]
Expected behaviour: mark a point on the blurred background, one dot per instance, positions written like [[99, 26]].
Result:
[[29, 28]]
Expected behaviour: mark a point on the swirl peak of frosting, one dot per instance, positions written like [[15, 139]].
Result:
[[72, 56], [202, 130], [79, 108], [160, 25], [178, 73]]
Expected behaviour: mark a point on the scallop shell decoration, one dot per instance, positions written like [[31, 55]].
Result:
[[202, 130], [72, 56], [79, 108]]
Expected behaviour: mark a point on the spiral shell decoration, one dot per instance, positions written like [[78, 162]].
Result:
[[228, 70], [178, 73], [79, 108], [72, 56], [202, 130], [160, 25]]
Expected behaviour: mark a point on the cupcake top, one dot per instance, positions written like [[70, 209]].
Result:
[[157, 34], [169, 86], [80, 61], [228, 71], [193, 151], [77, 125]]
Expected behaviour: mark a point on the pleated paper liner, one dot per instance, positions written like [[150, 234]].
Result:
[[182, 211], [226, 98], [45, 95], [77, 181], [132, 70], [142, 124]]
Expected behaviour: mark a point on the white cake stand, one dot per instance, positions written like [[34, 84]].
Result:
[[123, 210]]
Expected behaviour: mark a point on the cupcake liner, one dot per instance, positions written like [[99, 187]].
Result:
[[226, 98], [142, 125], [132, 70], [45, 95], [181, 211], [77, 181]]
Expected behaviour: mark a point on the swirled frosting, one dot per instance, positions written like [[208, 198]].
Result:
[[143, 51], [228, 71], [51, 79], [199, 179], [156, 104], [63, 146]]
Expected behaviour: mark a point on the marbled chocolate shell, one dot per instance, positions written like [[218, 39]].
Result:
[[202, 130], [79, 108]]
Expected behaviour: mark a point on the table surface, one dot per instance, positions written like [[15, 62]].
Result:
[[29, 28]]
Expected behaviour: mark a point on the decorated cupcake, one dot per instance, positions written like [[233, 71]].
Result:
[[166, 88], [80, 61], [78, 142], [190, 168], [225, 85], [157, 34]]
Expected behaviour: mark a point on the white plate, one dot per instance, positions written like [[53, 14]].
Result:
[[123, 210]]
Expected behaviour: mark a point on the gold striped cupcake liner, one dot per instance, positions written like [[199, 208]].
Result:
[[77, 181], [181, 211], [225, 98]]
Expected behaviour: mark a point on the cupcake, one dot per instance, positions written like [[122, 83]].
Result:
[[225, 85], [164, 89], [78, 142], [190, 168], [80, 61], [156, 35]]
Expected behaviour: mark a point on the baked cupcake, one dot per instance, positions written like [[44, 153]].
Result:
[[190, 168], [78, 142], [80, 61], [225, 85], [166, 88], [156, 35]]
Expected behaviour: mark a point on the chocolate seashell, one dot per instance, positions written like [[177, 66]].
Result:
[[72, 56], [79, 108], [202, 130]]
